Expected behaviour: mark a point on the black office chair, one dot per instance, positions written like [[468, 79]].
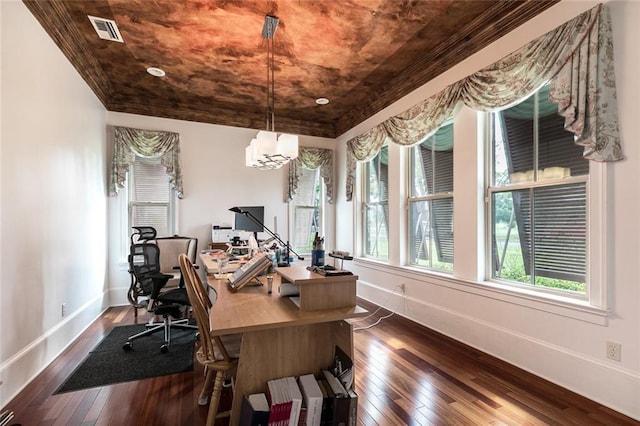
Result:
[[144, 264], [170, 249], [137, 295]]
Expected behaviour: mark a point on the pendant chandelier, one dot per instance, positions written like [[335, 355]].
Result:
[[268, 150]]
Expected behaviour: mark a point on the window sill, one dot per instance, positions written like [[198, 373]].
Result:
[[556, 304]]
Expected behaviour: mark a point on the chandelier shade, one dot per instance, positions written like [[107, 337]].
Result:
[[268, 150]]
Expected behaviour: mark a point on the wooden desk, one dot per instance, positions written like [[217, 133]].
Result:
[[278, 338]]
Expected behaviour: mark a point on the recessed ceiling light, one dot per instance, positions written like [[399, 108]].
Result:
[[322, 101], [156, 72]]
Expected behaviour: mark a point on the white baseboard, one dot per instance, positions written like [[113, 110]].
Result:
[[613, 387], [118, 296], [19, 370]]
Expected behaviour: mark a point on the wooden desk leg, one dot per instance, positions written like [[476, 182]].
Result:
[[288, 351]]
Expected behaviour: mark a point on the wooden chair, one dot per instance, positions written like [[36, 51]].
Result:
[[218, 355]]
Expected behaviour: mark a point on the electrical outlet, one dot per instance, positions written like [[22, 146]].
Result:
[[402, 287], [614, 351], [63, 310]]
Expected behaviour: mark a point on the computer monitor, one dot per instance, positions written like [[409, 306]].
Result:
[[244, 223]]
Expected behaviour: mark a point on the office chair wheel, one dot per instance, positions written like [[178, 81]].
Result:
[[164, 348], [127, 346]]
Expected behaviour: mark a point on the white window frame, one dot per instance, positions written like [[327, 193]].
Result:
[[430, 197], [470, 221], [294, 207], [598, 210], [363, 212]]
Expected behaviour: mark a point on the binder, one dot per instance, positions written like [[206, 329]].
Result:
[[353, 408], [255, 410], [326, 417], [341, 400]]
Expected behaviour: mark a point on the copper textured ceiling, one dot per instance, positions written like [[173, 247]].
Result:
[[360, 54]]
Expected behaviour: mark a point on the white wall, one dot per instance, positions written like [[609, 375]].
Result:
[[566, 346], [215, 178], [53, 220], [53, 204]]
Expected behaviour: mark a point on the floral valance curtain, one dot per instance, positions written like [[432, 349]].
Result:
[[312, 158], [577, 59], [130, 142]]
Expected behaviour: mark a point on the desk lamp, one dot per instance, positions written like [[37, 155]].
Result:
[[286, 245]]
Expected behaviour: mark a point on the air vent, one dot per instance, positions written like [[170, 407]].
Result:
[[106, 29]]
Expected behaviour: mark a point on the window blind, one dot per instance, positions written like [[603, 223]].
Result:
[[150, 196], [559, 212]]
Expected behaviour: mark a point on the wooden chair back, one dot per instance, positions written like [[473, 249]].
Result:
[[212, 350], [212, 353], [170, 250]]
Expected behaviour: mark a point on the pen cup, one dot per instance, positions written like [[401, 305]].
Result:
[[317, 257]]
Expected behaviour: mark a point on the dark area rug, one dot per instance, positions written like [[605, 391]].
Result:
[[108, 363]]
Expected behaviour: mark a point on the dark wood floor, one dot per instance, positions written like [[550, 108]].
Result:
[[405, 374]]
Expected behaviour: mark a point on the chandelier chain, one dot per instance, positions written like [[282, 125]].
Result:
[[268, 150]]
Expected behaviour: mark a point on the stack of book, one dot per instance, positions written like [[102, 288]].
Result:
[[325, 401], [340, 406], [285, 401]]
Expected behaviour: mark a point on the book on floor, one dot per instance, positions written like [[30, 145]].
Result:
[[341, 400], [312, 398], [353, 407], [285, 401], [255, 410], [326, 417]]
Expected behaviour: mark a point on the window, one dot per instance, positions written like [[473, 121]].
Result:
[[538, 199], [307, 210], [431, 201], [150, 196], [376, 206]]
